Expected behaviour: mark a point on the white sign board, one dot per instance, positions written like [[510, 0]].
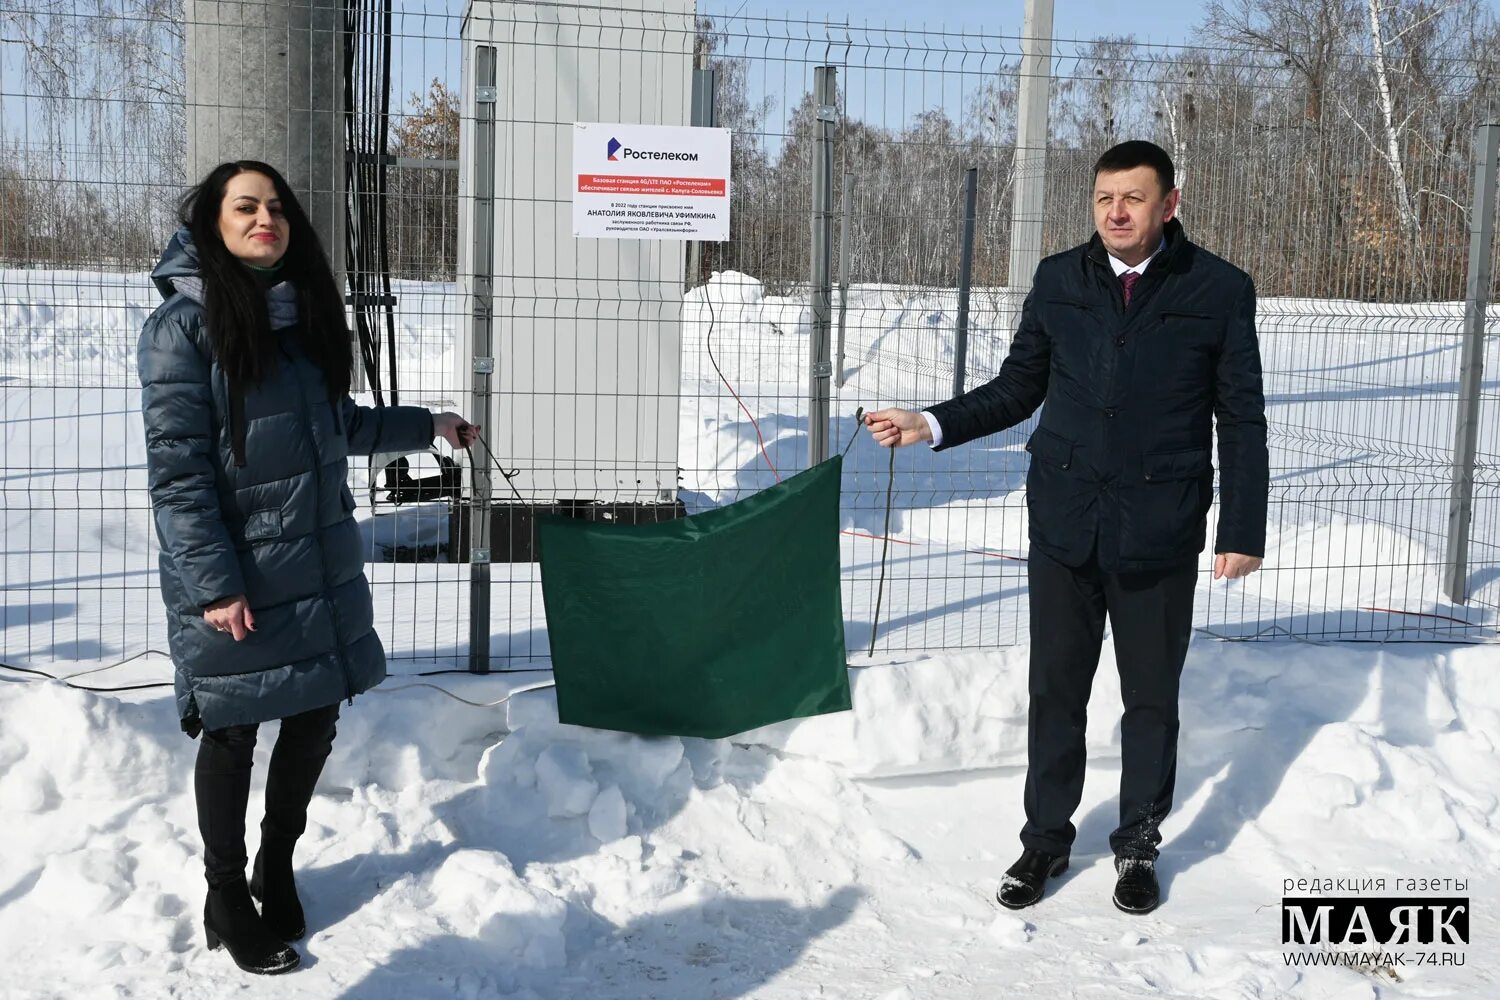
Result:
[[650, 182]]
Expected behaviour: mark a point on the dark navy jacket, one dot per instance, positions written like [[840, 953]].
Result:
[[1121, 456], [280, 529]]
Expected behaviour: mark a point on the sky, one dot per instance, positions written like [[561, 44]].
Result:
[[1159, 21], [1163, 22], [934, 55]]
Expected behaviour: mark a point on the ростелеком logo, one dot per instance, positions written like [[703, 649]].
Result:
[[614, 148]]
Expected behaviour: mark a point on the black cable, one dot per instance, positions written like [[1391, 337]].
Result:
[[859, 415], [116, 690], [885, 547], [465, 670], [160, 684], [367, 192], [86, 687], [369, 348], [382, 192], [29, 670], [367, 84], [708, 342], [509, 475]]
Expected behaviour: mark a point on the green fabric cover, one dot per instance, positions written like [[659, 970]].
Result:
[[705, 626]]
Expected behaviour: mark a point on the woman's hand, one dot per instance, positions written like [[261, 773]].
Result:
[[231, 615], [455, 429]]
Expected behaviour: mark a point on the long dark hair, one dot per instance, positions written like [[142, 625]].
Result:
[[238, 323]]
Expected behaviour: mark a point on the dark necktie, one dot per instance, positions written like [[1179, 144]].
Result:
[[1127, 281]]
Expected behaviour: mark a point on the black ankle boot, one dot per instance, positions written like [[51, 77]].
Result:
[[229, 919], [271, 882], [1136, 889], [1026, 880]]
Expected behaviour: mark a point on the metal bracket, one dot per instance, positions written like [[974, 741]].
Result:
[[484, 366], [369, 299], [827, 113], [822, 369], [486, 95], [479, 555]]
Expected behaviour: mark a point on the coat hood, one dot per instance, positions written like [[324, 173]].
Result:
[[177, 271], [178, 260]]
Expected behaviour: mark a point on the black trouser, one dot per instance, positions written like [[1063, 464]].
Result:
[[1152, 617], [222, 783]]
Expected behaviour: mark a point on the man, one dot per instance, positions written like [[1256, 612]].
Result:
[[1138, 341]]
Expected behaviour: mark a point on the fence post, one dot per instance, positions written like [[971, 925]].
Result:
[[1471, 369], [705, 114], [848, 199], [825, 80], [1029, 207], [965, 275], [483, 319], [295, 119]]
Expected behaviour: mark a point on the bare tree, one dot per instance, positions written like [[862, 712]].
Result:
[[992, 130], [748, 161], [1104, 100], [105, 88], [1390, 130], [424, 216], [1309, 35], [1177, 90]]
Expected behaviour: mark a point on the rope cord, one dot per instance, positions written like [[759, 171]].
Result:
[[543, 685], [509, 475], [885, 547], [708, 341], [66, 681], [859, 417]]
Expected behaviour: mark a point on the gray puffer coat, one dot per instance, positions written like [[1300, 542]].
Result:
[[279, 529]]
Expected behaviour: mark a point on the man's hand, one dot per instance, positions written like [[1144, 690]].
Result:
[[898, 428], [231, 615], [455, 429], [1232, 565]]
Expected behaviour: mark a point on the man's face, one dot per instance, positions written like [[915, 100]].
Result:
[[1130, 211]]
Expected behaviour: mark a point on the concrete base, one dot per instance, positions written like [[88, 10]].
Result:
[[513, 526]]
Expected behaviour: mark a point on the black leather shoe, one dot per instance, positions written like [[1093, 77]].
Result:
[[230, 921], [1026, 880], [271, 882], [1136, 890]]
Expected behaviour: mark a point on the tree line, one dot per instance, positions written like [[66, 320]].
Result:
[[1326, 145]]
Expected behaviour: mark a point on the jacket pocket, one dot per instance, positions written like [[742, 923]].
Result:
[[200, 624], [1051, 448], [1070, 304], [262, 524], [1168, 465], [1191, 327]]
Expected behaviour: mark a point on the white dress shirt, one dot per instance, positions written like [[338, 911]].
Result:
[[1117, 265]]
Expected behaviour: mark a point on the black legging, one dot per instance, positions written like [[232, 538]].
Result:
[[222, 783]]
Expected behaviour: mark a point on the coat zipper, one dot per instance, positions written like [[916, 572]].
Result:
[[322, 561]]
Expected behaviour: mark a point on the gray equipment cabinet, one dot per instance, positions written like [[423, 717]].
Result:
[[572, 346]]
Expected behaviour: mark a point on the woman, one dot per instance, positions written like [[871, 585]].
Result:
[[245, 392]]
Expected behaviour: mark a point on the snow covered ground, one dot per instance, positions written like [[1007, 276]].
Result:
[[459, 851], [486, 852]]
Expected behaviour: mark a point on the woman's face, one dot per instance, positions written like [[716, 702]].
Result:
[[250, 220]]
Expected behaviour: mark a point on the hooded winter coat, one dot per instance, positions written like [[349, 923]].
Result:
[[278, 528]]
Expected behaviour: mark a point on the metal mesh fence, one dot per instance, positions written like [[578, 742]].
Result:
[[1343, 186]]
